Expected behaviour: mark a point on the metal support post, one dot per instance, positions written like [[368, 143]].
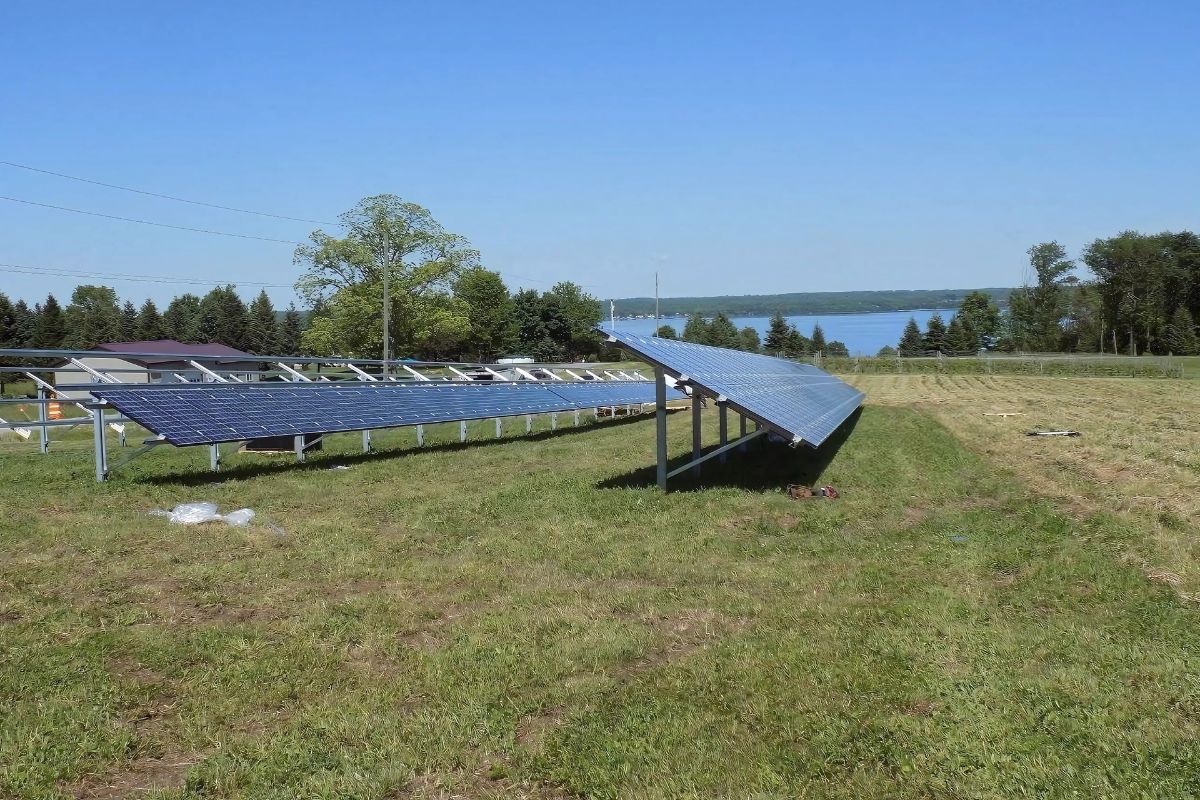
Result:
[[499, 428], [420, 436], [214, 457], [43, 411], [366, 441], [298, 443], [99, 444], [660, 425], [742, 431], [554, 422], [696, 429], [529, 423], [722, 411], [462, 430], [576, 418]]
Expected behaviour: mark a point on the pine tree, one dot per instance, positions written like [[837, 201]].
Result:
[[180, 322], [666, 332], [50, 328], [818, 339], [696, 330], [23, 321], [796, 344], [935, 333], [8, 323], [129, 322], [777, 335], [1181, 333], [911, 343], [149, 323], [289, 332], [749, 340], [837, 349], [723, 333], [263, 333]]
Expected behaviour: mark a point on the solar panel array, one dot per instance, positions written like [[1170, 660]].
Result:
[[213, 413], [798, 401]]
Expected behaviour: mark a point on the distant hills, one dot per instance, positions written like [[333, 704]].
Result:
[[797, 303]]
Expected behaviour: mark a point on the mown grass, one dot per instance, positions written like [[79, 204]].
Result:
[[530, 619]]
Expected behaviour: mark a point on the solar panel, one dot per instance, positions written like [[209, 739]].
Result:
[[213, 413], [797, 401]]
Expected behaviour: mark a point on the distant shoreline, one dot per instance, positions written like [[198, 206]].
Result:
[[681, 315], [804, 303]]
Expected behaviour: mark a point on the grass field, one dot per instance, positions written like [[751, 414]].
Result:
[[979, 615]]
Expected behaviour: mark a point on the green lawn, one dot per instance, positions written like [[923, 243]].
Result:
[[530, 619]]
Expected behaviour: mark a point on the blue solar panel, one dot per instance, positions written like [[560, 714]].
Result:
[[189, 415], [797, 401]]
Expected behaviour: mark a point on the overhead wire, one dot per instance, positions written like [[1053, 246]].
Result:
[[134, 277], [164, 196], [149, 222]]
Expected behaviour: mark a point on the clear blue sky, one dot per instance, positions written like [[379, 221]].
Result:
[[736, 148]]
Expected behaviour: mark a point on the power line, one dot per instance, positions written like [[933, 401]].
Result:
[[164, 196], [148, 222], [124, 276]]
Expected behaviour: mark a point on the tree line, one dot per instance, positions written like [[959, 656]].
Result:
[[804, 303], [783, 339], [96, 315], [443, 305], [1143, 296]]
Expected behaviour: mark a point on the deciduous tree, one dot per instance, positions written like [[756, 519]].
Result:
[[343, 280]]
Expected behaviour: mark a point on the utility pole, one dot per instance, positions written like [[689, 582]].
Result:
[[387, 296]]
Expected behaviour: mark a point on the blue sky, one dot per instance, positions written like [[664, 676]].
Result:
[[735, 148]]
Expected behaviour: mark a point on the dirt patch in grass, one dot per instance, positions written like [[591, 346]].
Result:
[[489, 780], [170, 600], [142, 775]]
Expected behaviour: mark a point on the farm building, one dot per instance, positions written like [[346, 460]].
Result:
[[169, 367]]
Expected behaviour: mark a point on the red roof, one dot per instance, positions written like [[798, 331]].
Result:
[[171, 351]]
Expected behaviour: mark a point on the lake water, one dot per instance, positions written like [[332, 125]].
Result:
[[863, 334]]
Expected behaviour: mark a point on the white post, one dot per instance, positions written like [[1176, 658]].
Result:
[[420, 436], [43, 411], [366, 436], [98, 443], [529, 423], [462, 430], [499, 428]]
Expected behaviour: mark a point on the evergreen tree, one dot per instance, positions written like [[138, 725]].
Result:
[[263, 333], [696, 330], [8, 323], [527, 320], [796, 344], [666, 332], [748, 340], [181, 320], [979, 315], [129, 322], [818, 339], [50, 328], [223, 318], [911, 343], [1181, 333], [935, 334], [777, 335], [289, 332], [489, 312], [723, 333], [149, 323], [24, 320], [837, 349]]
